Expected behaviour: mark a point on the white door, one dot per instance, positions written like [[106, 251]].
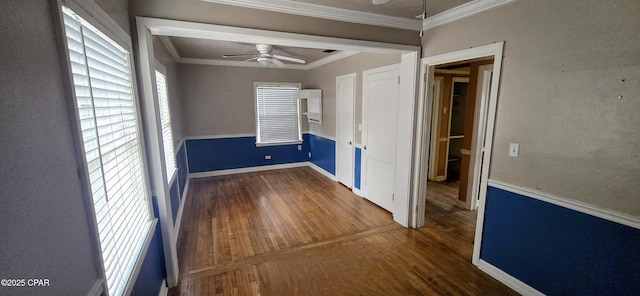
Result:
[[380, 96], [345, 101]]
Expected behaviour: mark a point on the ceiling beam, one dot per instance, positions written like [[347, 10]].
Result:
[[164, 27]]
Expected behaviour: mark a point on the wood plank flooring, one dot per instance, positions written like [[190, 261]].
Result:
[[455, 226], [294, 232]]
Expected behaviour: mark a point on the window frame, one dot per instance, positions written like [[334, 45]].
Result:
[[159, 67], [96, 17], [257, 118]]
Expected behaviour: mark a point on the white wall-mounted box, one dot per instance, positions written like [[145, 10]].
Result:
[[314, 104]]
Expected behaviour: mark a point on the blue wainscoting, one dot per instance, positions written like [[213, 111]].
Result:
[[323, 153], [206, 155], [559, 251], [152, 272], [183, 171], [358, 169], [175, 199]]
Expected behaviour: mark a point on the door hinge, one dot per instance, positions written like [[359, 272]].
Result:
[[393, 197], [398, 80]]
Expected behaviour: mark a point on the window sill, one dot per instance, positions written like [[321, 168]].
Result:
[[278, 143]]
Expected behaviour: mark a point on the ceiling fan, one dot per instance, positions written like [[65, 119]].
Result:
[[264, 56]]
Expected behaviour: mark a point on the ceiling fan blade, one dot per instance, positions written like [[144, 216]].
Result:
[[379, 2], [251, 59], [277, 62], [244, 55], [290, 59]]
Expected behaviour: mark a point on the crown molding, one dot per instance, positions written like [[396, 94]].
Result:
[[330, 59], [462, 11], [216, 62], [166, 40], [326, 12]]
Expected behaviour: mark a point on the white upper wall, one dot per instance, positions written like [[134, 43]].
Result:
[[566, 63]]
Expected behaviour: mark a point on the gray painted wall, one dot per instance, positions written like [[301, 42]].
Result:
[[566, 62], [118, 10], [175, 105], [220, 14], [44, 232], [324, 77], [219, 100]]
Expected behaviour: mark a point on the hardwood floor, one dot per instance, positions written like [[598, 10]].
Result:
[[457, 225], [294, 232]]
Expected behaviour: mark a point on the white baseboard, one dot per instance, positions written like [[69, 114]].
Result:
[[248, 170], [97, 289], [163, 289], [507, 279], [322, 171], [357, 192], [462, 204]]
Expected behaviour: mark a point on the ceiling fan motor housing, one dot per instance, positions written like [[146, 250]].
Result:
[[264, 48]]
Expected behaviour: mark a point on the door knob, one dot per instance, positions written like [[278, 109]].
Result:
[[350, 143], [365, 147]]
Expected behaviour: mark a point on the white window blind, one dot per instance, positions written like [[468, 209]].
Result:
[[165, 122], [277, 114], [110, 133]]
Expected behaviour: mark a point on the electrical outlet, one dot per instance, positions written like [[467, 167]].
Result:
[[514, 149], [309, 154], [267, 157], [299, 147]]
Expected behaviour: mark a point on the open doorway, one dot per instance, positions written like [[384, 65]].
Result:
[[478, 129], [456, 121]]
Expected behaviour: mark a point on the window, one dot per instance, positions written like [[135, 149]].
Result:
[[165, 122], [277, 114], [110, 132]]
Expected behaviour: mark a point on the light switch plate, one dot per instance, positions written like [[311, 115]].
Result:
[[514, 149]]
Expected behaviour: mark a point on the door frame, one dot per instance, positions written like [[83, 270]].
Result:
[[435, 115], [477, 147], [353, 126], [423, 130]]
